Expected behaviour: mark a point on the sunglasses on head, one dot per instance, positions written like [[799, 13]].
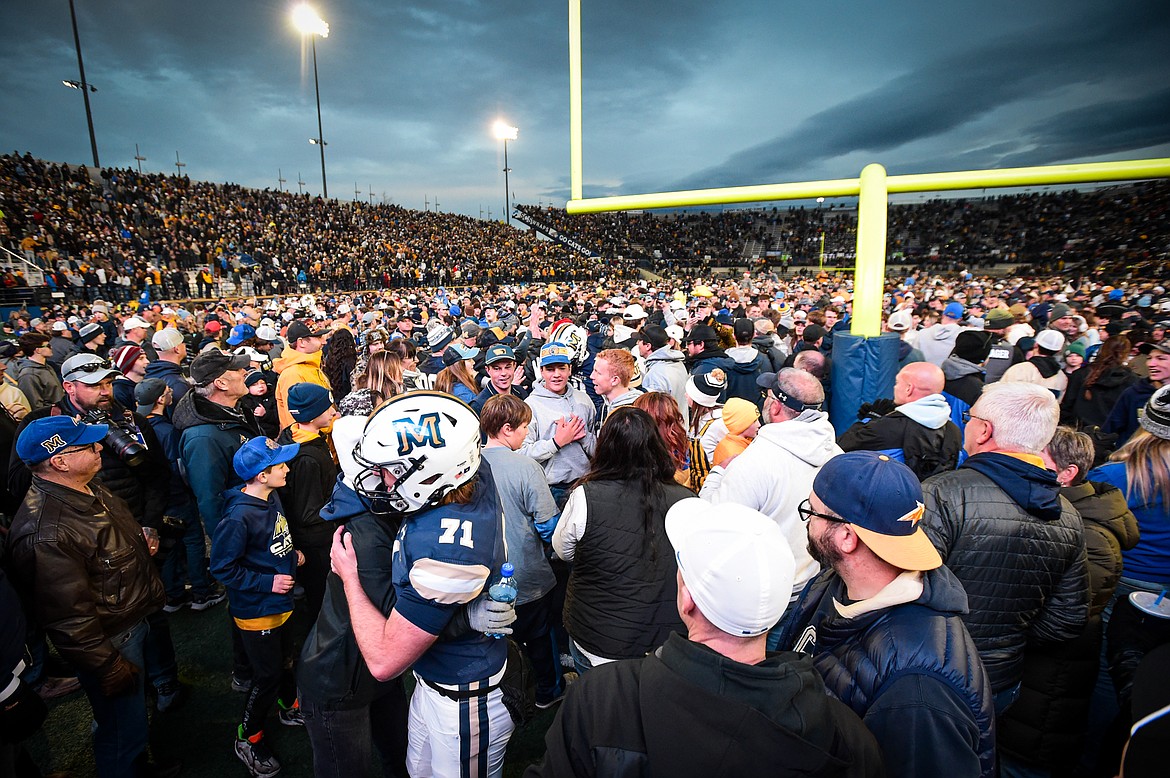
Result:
[[93, 367]]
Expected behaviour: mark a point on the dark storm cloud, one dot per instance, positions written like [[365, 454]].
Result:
[[409, 89], [940, 96]]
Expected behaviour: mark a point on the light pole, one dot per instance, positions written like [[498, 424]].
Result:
[[309, 23], [83, 86], [138, 156], [505, 132]]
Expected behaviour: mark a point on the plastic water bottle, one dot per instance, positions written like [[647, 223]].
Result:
[[503, 590]]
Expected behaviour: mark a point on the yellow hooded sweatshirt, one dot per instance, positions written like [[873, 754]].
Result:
[[296, 368]]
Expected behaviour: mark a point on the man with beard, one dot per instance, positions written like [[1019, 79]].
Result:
[[883, 621]]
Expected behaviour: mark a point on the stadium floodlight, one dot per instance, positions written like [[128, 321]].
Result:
[[317, 142], [505, 132], [309, 23], [77, 85]]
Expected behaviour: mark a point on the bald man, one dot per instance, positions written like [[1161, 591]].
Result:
[[915, 427]]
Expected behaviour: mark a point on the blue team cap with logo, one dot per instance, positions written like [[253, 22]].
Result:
[[259, 454], [555, 354], [51, 435]]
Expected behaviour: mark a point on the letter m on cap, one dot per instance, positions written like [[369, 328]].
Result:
[[54, 443], [424, 432]]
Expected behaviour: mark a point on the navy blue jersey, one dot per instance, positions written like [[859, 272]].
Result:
[[444, 557]]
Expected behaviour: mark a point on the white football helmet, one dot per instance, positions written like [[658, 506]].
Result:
[[572, 336], [429, 442]]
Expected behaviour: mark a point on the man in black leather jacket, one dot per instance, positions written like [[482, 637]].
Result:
[[83, 566]]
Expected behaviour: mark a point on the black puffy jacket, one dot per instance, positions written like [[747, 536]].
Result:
[[925, 451], [1019, 550], [910, 670], [1046, 725]]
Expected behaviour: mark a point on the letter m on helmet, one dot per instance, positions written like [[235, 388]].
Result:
[[424, 432]]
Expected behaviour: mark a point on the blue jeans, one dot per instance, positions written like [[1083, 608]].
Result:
[[580, 660], [192, 559], [533, 631], [1103, 705], [344, 740], [119, 737]]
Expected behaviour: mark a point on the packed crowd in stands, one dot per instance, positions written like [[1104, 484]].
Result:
[[725, 555], [121, 233], [1110, 230]]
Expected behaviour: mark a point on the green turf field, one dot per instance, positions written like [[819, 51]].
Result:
[[202, 732]]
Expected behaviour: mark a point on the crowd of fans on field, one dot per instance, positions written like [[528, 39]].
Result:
[[962, 571]]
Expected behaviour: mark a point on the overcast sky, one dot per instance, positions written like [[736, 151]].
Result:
[[678, 94]]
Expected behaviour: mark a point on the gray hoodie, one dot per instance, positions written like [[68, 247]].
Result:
[[937, 342], [666, 372], [564, 465], [38, 382]]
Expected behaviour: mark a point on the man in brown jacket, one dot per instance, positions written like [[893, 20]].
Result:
[[82, 564]]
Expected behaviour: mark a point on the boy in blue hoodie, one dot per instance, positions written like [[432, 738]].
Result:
[[252, 555]]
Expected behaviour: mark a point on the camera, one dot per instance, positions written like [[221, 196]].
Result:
[[124, 443]]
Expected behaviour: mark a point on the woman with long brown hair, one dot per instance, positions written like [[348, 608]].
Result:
[[620, 602], [381, 381], [1094, 388], [664, 410], [339, 361], [458, 377]]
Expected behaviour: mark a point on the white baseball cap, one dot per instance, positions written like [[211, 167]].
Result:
[[634, 313], [1051, 340], [166, 339], [900, 321], [735, 563], [134, 323], [252, 354]]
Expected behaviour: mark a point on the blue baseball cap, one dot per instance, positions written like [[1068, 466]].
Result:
[[240, 333], [457, 352], [555, 354], [882, 500], [954, 310], [259, 454], [51, 435]]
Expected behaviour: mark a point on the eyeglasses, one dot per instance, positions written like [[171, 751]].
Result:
[[75, 449], [967, 416], [806, 512]]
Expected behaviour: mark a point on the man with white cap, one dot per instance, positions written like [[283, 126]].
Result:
[[713, 703], [883, 621], [902, 324], [168, 368], [136, 331], [62, 344]]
